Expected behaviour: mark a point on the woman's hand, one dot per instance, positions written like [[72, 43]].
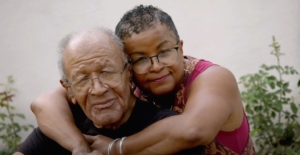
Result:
[[98, 143]]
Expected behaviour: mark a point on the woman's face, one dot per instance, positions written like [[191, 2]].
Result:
[[160, 79]]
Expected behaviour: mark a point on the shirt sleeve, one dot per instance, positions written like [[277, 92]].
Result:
[[37, 143]]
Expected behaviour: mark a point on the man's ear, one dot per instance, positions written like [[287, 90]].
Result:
[[70, 96]]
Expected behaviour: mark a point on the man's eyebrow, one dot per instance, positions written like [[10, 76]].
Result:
[[82, 72], [77, 74], [74, 77]]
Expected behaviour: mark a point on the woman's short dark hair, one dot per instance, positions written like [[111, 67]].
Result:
[[141, 18]]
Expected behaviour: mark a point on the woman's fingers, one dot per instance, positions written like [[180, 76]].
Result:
[[90, 139]]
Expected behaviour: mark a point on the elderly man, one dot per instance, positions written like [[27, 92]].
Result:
[[95, 74]]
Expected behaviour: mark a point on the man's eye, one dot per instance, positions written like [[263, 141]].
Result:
[[86, 78], [104, 73]]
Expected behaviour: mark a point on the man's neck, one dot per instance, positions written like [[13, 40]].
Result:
[[131, 103]]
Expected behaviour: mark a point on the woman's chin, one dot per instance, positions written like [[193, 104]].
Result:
[[161, 90]]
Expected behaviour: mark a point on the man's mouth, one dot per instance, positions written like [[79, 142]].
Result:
[[103, 105]]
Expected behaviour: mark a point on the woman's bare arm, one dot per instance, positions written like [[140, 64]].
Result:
[[55, 119], [213, 100]]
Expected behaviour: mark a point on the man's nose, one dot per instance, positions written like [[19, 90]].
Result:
[[156, 66], [97, 87]]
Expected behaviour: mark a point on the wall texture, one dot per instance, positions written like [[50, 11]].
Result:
[[235, 34]]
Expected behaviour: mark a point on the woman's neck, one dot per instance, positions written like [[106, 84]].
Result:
[[165, 101]]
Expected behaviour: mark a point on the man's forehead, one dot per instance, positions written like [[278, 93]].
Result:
[[98, 42], [84, 52], [89, 40], [94, 53]]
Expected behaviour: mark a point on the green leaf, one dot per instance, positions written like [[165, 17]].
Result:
[[10, 79], [279, 130], [20, 115], [30, 126], [248, 109], [299, 83], [3, 116], [272, 85], [271, 78], [286, 85], [294, 108], [11, 107], [258, 108], [273, 114], [279, 83], [25, 127], [16, 127]]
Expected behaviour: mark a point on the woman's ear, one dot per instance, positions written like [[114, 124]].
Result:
[[181, 46], [130, 69], [131, 82], [70, 96]]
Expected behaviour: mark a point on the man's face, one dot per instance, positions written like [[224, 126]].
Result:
[[160, 79], [88, 57]]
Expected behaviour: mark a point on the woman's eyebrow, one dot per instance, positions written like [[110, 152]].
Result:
[[143, 53], [162, 43], [137, 53]]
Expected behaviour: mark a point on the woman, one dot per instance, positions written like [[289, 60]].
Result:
[[205, 94]]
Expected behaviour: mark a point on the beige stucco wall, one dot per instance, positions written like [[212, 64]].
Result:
[[232, 33]]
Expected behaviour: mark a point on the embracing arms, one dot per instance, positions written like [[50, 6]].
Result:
[[213, 104], [55, 119]]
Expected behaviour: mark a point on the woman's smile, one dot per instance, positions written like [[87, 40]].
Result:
[[160, 79]]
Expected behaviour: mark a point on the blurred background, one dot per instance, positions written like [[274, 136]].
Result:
[[234, 34]]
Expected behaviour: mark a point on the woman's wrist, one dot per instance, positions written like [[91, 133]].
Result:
[[116, 147], [80, 146]]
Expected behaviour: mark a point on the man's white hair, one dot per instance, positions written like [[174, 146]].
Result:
[[66, 40]]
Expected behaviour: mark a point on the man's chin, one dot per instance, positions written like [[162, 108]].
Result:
[[102, 126], [106, 122], [110, 126]]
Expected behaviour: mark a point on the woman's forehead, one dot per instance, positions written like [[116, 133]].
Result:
[[152, 36]]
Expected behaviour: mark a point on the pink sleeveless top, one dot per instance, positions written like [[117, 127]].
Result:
[[234, 141]]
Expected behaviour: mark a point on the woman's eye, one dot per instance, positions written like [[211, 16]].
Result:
[[103, 72], [140, 59], [165, 51]]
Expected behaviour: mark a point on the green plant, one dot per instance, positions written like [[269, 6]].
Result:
[[9, 128], [271, 110]]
